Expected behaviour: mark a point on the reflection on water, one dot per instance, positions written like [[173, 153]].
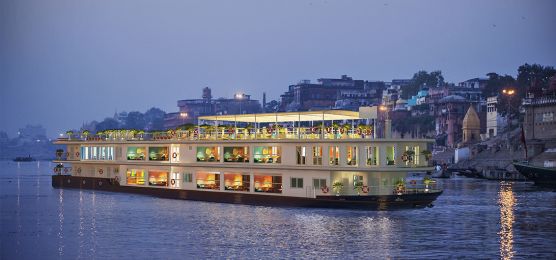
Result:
[[61, 221], [473, 218], [507, 202]]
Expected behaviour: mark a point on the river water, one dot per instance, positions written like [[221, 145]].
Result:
[[473, 219]]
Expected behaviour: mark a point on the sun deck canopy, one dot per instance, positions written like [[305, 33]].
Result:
[[324, 115]]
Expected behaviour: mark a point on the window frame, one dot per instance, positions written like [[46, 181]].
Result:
[[296, 182]]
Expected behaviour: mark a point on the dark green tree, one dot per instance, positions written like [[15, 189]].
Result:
[[533, 78], [155, 118], [422, 79], [496, 83], [107, 123], [135, 120]]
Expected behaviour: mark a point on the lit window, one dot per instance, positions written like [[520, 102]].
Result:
[[97, 153], [208, 154], [175, 154], [136, 153], [236, 154], [236, 181], [351, 156], [372, 155], [301, 155], [158, 178], [390, 155], [268, 183], [267, 154], [208, 180], [317, 155], [158, 154], [135, 177], [334, 155], [175, 179]]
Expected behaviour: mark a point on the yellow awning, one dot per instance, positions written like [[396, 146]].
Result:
[[325, 115]]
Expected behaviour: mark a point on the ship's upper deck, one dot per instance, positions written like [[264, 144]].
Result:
[[290, 117], [311, 125]]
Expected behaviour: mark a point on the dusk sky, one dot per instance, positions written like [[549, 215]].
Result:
[[63, 63]]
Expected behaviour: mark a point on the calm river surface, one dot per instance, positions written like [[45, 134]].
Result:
[[473, 219]]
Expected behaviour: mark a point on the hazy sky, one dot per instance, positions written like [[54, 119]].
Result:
[[63, 63]]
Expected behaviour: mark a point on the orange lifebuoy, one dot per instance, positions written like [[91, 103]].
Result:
[[79, 170], [325, 189], [77, 154], [175, 155], [67, 154], [173, 181], [365, 189], [100, 171]]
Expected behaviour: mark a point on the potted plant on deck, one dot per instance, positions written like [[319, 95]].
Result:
[[141, 133], [400, 186], [337, 187], [69, 133], [85, 134]]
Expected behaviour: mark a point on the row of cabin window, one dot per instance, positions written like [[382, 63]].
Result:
[[273, 154], [372, 153], [261, 154], [211, 180]]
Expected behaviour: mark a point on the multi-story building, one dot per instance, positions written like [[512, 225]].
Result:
[[328, 93], [494, 121], [450, 112], [191, 109], [475, 83], [540, 118]]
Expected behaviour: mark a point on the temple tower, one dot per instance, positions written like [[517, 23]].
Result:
[[471, 127]]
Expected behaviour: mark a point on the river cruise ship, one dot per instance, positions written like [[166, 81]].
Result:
[[327, 158]]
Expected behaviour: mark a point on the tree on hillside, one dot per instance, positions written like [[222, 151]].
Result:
[[420, 79], [416, 125], [534, 78], [272, 106], [496, 83], [107, 123], [155, 118], [135, 120]]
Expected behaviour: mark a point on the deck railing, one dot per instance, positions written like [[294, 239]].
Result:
[[292, 133]]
